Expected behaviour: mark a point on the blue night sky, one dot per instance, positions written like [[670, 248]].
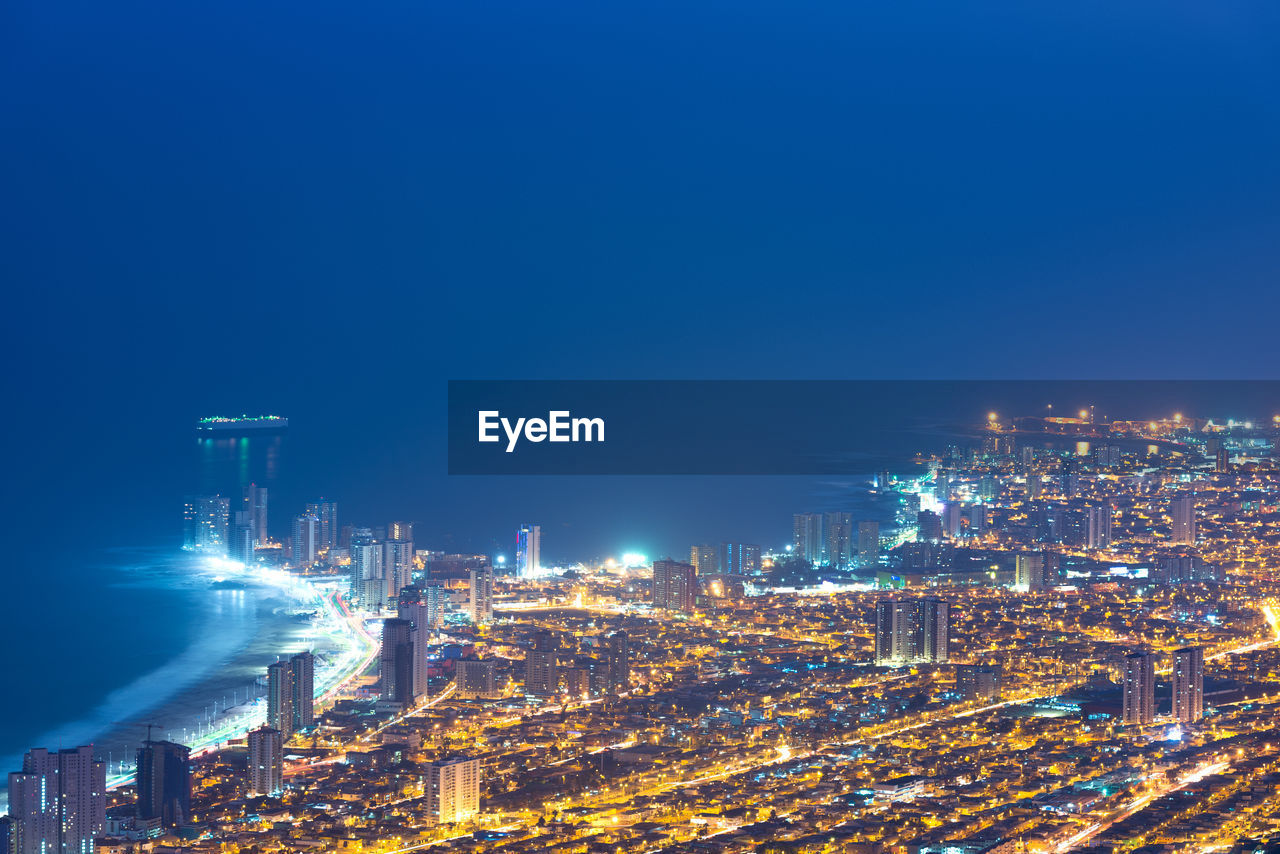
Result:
[[327, 210]]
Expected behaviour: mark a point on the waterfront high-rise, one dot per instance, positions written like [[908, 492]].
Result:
[[868, 543], [254, 502], [1188, 684], [675, 586], [480, 601], [164, 783], [806, 538], [542, 665], [327, 513], [266, 762], [57, 802], [1182, 515], [705, 559], [1139, 688], [280, 693], [306, 539], [243, 538], [453, 789], [396, 669], [528, 550], [838, 527], [368, 583], [302, 681], [206, 524]]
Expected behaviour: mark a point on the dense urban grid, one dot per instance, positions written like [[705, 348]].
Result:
[[1061, 635]]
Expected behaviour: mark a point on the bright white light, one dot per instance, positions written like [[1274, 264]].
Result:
[[634, 559], [502, 558]]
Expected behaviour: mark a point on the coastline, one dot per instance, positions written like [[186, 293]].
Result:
[[207, 692]]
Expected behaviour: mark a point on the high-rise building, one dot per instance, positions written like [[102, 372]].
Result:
[[400, 531], [1028, 571], [1222, 460], [397, 565], [475, 677], [868, 543], [206, 523], [254, 503], [57, 802], [302, 681], [164, 783], [1139, 688], [951, 519], [421, 607], [839, 538], [396, 670], [1182, 514], [368, 582], [1098, 526], [327, 513], [928, 527], [806, 539], [480, 599], [1188, 684], [675, 586], [453, 790], [528, 550], [738, 559], [243, 538], [306, 539], [542, 666], [705, 559], [912, 630], [894, 630], [266, 762], [280, 694], [618, 660], [978, 681]]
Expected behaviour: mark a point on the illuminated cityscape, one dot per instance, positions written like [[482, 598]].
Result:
[[1065, 637]]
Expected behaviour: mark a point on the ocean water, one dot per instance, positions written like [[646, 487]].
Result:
[[148, 636]]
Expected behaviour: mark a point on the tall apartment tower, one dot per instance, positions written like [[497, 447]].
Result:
[[206, 523], [675, 586], [400, 531], [164, 783], [254, 503], [1139, 688], [243, 538], [912, 630], [396, 670], [705, 559], [327, 513], [480, 602], [397, 565], [57, 802], [738, 559], [542, 666], [306, 539], [453, 790], [1182, 513], [934, 632], [839, 538], [1188, 684], [618, 663], [1028, 571], [302, 670], [806, 538], [280, 694], [868, 543], [1098, 526], [422, 610], [894, 628], [266, 762], [528, 550]]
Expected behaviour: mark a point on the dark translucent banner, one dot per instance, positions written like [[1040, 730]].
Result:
[[788, 427]]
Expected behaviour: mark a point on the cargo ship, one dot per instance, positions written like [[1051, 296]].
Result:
[[241, 425]]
